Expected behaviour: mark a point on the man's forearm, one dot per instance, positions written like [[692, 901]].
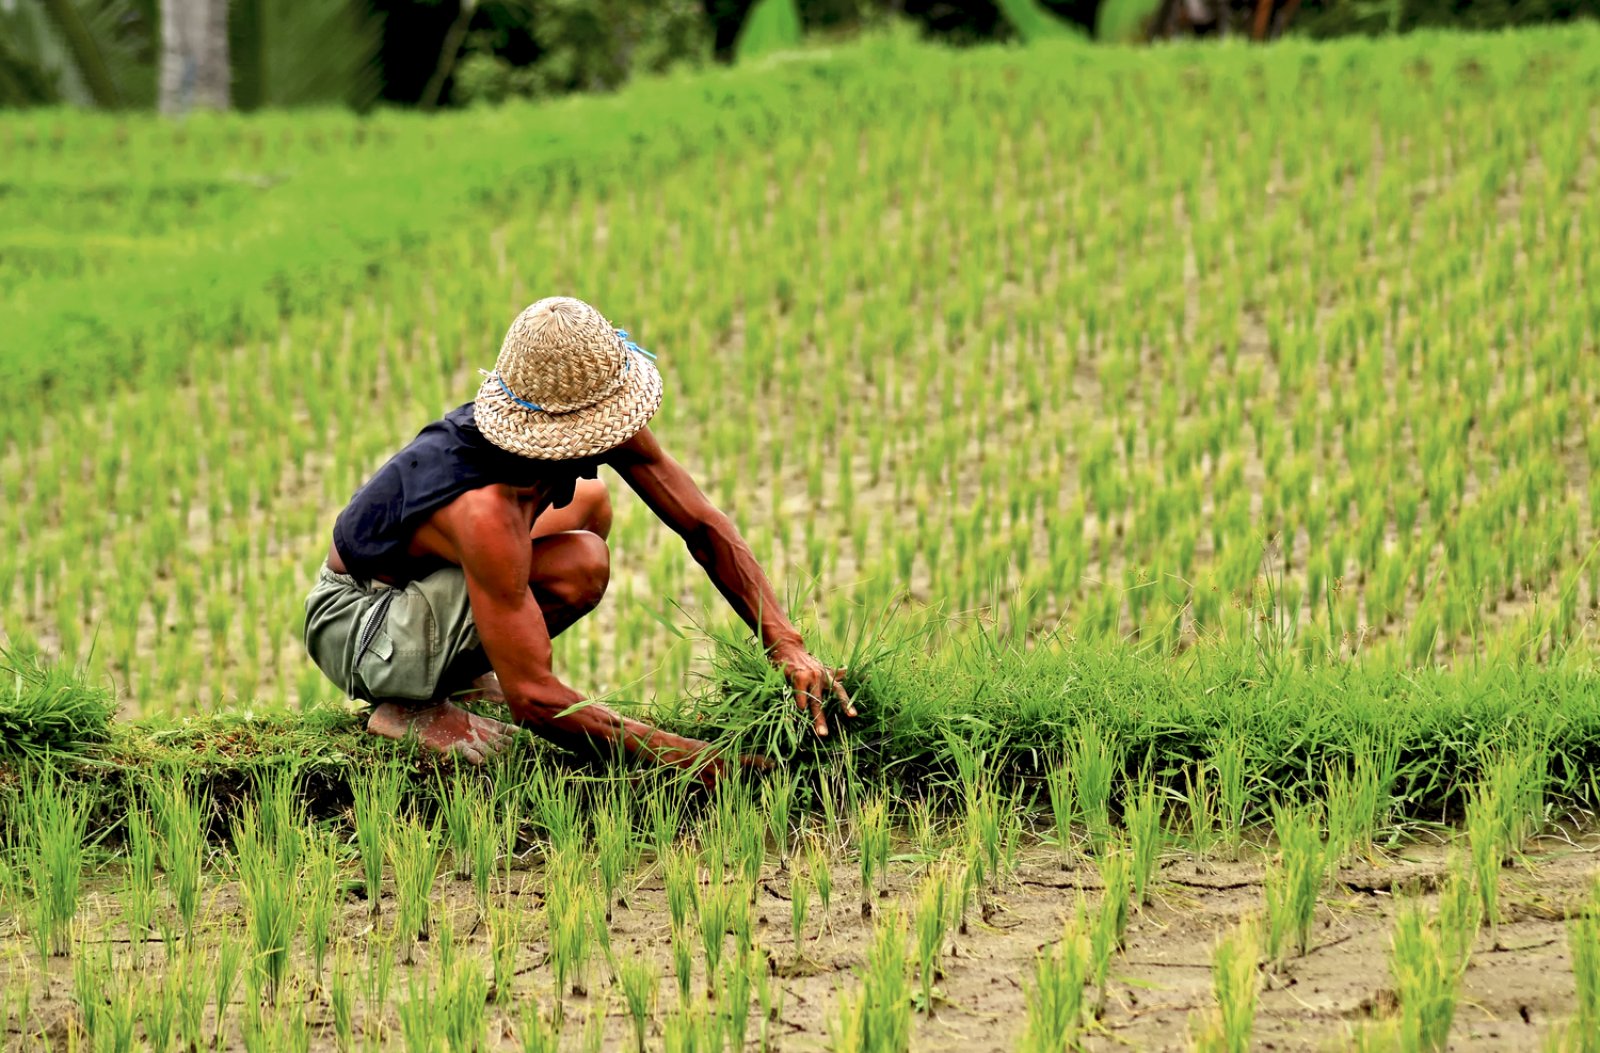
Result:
[[733, 569], [593, 729]]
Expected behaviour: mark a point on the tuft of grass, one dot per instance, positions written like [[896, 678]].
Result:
[[1055, 999], [1235, 982], [47, 709], [1294, 879], [52, 816]]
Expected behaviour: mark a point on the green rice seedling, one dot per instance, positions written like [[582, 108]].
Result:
[[341, 1002], [1145, 840], [271, 890], [682, 962], [54, 818], [538, 1034], [557, 812], [421, 1022], [570, 913], [616, 850], [414, 856], [733, 1006], [505, 938], [1094, 767], [881, 1018], [715, 916], [663, 808], [1116, 881], [320, 891], [1055, 999], [483, 853], [1460, 913], [1236, 983], [379, 973], [872, 841], [180, 815], [594, 902], [1583, 941], [508, 828], [375, 804], [640, 983], [1379, 1036], [90, 973], [926, 829], [191, 987], [119, 1014], [1233, 796], [1294, 879], [799, 907], [932, 918], [678, 877], [741, 920], [457, 799], [777, 804], [1488, 839], [751, 852], [1200, 802], [1427, 975], [821, 875], [847, 1030], [230, 959], [991, 836], [1358, 799], [461, 1002], [685, 1030], [594, 1029], [1063, 808], [139, 888], [158, 1010], [969, 887], [1104, 940]]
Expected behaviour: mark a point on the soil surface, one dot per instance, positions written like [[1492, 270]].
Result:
[[1517, 986]]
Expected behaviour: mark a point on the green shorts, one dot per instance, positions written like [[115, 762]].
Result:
[[376, 642]]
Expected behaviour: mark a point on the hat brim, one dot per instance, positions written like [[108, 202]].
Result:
[[585, 432]]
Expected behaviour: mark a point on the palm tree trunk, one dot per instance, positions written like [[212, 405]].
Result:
[[194, 55]]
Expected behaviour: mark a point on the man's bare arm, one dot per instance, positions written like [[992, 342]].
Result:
[[664, 485], [490, 542]]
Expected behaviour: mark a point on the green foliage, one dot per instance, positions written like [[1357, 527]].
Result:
[[1055, 1000], [48, 708], [770, 25], [583, 46], [50, 818], [1123, 21], [1034, 23], [289, 53]]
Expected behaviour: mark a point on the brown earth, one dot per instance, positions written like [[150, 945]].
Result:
[[1518, 984]]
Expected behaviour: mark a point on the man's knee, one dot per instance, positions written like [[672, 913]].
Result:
[[579, 572]]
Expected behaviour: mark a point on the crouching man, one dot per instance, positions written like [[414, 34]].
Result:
[[455, 565]]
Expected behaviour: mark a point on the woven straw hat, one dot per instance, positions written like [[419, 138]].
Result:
[[567, 384]]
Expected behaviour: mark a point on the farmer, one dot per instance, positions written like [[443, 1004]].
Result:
[[456, 564]]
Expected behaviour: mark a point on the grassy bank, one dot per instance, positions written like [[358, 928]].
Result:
[[929, 718]]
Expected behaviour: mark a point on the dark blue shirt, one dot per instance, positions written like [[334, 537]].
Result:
[[447, 458]]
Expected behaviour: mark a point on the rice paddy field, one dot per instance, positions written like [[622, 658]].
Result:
[[1188, 450]]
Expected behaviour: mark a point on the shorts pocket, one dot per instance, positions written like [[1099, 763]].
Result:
[[401, 657]]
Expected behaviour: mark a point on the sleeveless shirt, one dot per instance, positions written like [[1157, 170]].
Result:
[[447, 458]]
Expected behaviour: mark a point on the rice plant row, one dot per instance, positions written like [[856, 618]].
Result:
[[1318, 381]]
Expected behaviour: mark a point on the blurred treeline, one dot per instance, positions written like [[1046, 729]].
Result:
[[428, 53]]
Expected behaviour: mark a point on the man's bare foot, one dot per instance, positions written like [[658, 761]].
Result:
[[442, 727]]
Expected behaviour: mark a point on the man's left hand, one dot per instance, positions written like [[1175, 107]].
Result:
[[812, 683]]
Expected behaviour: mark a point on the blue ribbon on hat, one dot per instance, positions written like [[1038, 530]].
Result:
[[627, 364], [631, 346]]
